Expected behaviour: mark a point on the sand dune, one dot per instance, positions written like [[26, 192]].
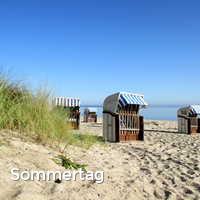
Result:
[[165, 166]]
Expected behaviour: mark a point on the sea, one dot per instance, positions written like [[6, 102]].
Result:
[[153, 112]]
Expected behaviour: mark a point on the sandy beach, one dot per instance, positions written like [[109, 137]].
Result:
[[165, 166]]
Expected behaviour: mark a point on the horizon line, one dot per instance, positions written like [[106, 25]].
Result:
[[150, 105]]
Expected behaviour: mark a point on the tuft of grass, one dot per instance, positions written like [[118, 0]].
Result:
[[31, 113], [84, 140], [68, 163]]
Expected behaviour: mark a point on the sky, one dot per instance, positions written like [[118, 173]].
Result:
[[93, 48]]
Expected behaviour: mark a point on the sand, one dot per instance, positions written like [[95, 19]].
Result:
[[165, 166]]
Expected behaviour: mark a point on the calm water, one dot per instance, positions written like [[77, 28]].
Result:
[[152, 112]]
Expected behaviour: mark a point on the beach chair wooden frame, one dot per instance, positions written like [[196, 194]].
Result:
[[74, 118], [72, 107], [121, 120], [90, 116], [188, 120], [131, 126]]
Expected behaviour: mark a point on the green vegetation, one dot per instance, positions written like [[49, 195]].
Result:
[[68, 164], [84, 140], [32, 114], [29, 113]]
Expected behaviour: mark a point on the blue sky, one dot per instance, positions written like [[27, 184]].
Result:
[[90, 49]]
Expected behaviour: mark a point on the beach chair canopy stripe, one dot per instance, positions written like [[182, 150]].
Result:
[[195, 109], [67, 102], [121, 99], [131, 99]]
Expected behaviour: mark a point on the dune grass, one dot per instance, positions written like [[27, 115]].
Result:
[[32, 114]]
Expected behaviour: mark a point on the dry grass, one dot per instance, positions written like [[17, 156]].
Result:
[[31, 114]]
